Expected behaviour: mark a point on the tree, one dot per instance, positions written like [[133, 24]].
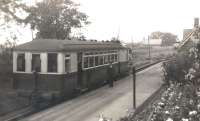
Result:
[[168, 39], [116, 40], [156, 35], [6, 51], [12, 15], [55, 18], [9, 9]]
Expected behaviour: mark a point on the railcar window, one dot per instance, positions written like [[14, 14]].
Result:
[[116, 58], [96, 60], [67, 55], [86, 62], [52, 62], [91, 61], [36, 62], [109, 58], [21, 62], [112, 58], [67, 63], [106, 59], [100, 60]]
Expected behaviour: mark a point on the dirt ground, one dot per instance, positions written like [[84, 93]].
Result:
[[141, 54], [10, 101], [110, 102]]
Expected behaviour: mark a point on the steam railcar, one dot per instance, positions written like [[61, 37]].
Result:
[[64, 66]]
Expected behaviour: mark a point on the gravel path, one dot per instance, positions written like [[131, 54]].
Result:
[[110, 102]]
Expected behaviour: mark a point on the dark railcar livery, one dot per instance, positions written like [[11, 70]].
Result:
[[65, 66]]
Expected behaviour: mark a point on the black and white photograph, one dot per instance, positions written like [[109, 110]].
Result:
[[99, 60]]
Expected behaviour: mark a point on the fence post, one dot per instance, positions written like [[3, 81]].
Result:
[[134, 87]]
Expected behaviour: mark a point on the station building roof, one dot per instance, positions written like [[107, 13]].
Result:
[[54, 45]]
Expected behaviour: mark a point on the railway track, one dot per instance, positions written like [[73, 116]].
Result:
[[151, 64], [15, 116]]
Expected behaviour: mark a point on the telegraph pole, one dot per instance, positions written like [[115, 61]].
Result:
[[149, 48], [134, 87], [132, 55]]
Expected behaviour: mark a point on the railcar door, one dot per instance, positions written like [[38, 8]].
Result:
[[79, 83]]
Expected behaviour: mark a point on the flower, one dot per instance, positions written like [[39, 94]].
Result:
[[169, 119], [161, 104], [196, 65], [167, 112], [198, 106], [176, 107], [185, 119], [193, 112], [190, 74]]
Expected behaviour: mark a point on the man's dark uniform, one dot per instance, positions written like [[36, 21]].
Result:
[[110, 73]]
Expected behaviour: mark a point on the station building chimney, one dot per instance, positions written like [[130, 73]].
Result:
[[196, 22]]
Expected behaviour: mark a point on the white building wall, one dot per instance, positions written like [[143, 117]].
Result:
[[60, 64], [123, 55], [43, 57], [14, 61], [73, 62], [44, 62], [28, 57]]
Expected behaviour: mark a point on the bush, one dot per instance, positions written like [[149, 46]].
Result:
[[6, 65], [176, 69]]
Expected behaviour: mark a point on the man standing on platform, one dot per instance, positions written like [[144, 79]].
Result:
[[110, 72]]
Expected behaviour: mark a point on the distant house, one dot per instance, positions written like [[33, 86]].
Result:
[[190, 37], [153, 42], [186, 32]]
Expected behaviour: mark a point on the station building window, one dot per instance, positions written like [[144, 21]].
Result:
[[36, 63], [67, 63], [52, 62], [21, 62]]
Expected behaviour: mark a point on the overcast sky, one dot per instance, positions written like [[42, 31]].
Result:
[[134, 19], [138, 18]]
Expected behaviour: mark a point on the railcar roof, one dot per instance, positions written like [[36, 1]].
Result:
[[66, 45]]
